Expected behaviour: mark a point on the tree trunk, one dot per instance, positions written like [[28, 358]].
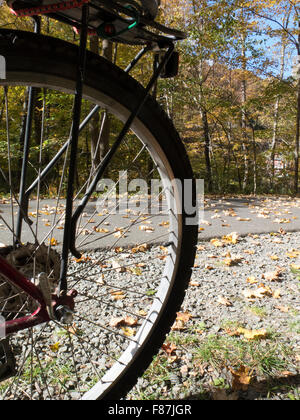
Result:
[[100, 147], [296, 149], [276, 107], [254, 162], [206, 148], [244, 124]]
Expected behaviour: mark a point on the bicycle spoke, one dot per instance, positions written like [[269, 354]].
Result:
[[118, 289]]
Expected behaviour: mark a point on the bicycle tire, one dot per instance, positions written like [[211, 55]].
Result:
[[44, 61]]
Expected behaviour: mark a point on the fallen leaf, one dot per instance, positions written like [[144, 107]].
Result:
[[129, 332], [139, 248], [232, 238], [194, 283], [135, 270], [272, 275], [276, 294], [54, 347], [127, 321], [251, 280], [181, 320], [286, 373], [146, 228], [118, 234], [82, 259], [118, 294], [164, 224], [284, 309], [216, 242], [252, 334], [200, 248], [230, 261], [118, 250], [224, 301], [257, 293], [249, 251], [241, 378], [183, 316], [169, 348], [204, 222], [53, 242], [118, 267], [142, 312], [282, 220]]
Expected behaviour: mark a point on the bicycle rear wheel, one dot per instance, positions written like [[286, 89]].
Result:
[[135, 264]]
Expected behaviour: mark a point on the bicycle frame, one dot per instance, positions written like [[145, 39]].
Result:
[[45, 311], [39, 316]]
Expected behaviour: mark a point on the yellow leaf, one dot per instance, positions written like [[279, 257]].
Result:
[[146, 228], [140, 248], [129, 332], [232, 238], [82, 259], [53, 242], [100, 230], [251, 280], [252, 334], [216, 242], [55, 347], [142, 312], [164, 224], [118, 249]]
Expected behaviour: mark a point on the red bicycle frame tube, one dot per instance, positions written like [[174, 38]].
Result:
[[39, 316]]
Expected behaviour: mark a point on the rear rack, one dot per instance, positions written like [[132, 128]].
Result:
[[119, 20]]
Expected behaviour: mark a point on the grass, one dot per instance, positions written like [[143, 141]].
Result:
[[265, 359], [262, 356], [260, 312]]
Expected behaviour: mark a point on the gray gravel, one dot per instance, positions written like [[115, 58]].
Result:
[[218, 302]]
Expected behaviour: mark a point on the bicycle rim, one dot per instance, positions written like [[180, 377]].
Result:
[[129, 261]]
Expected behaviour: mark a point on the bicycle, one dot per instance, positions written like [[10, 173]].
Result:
[[83, 310]]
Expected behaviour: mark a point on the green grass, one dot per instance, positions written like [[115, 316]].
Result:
[[263, 356]]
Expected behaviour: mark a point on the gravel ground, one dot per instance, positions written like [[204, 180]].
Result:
[[237, 335], [236, 288]]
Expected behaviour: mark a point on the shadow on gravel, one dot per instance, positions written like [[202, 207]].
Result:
[[282, 388]]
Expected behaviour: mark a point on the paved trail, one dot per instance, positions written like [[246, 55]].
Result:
[[221, 216], [249, 215]]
